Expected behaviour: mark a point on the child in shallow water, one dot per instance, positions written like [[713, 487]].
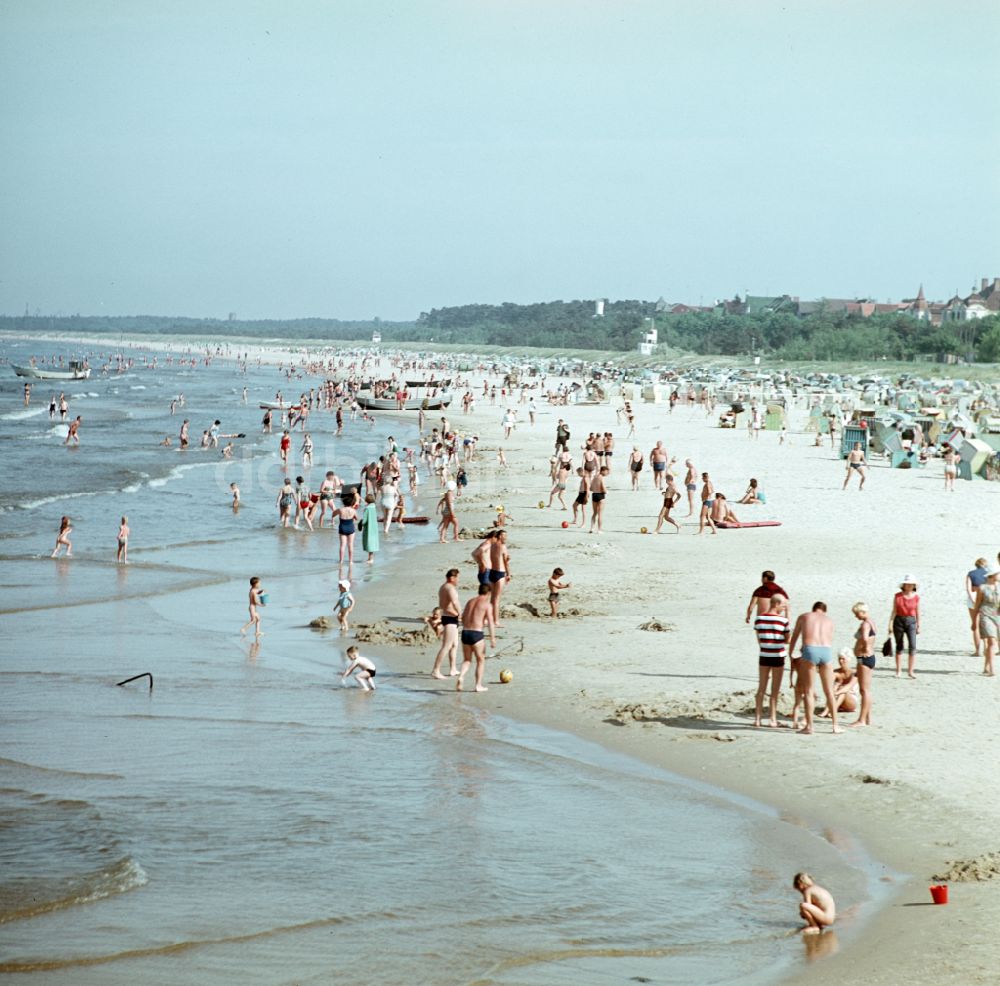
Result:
[[817, 908], [344, 604], [362, 668]]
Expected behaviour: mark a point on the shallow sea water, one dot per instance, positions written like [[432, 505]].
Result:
[[248, 819]]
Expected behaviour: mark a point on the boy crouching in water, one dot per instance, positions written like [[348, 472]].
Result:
[[817, 908], [363, 668]]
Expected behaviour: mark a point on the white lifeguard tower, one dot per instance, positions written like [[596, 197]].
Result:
[[599, 308], [376, 338], [648, 343]]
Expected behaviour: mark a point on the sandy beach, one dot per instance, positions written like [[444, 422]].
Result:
[[916, 787], [653, 657]]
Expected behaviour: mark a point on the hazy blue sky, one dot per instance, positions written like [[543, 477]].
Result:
[[352, 159]]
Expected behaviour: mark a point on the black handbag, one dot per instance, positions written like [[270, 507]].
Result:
[[887, 647]]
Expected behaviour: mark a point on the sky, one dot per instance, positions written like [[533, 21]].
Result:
[[357, 159]]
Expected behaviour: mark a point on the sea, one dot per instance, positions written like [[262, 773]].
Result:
[[238, 816]]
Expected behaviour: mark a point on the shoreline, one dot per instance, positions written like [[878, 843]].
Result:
[[906, 823], [916, 824]]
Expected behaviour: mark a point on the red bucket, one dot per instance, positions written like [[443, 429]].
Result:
[[939, 894]]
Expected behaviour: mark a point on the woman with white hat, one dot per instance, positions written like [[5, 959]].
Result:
[[905, 622], [987, 613]]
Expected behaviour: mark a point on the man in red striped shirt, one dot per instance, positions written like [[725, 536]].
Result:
[[771, 627]]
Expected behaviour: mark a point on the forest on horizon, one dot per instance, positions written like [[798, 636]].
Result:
[[824, 335]]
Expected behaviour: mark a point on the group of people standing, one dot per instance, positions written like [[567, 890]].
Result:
[[846, 689]]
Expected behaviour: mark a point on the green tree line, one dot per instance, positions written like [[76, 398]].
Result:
[[572, 325]]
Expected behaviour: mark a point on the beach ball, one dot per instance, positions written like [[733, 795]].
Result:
[[565, 524], [541, 504], [499, 508], [643, 530], [506, 676]]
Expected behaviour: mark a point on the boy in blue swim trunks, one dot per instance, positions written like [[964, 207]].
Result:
[[815, 630]]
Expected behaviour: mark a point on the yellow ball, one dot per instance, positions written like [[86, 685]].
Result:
[[499, 508], [506, 676], [541, 504], [643, 530]]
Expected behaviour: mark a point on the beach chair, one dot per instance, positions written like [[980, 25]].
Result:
[[853, 433]]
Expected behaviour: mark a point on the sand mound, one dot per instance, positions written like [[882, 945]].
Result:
[[655, 626], [739, 704], [323, 623], [530, 609], [985, 867], [383, 632]]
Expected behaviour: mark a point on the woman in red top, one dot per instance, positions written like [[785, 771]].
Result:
[[905, 622]]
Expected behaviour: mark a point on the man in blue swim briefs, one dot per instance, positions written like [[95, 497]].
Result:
[[815, 630], [478, 613]]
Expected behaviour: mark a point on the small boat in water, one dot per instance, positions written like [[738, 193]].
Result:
[[78, 370], [278, 406], [442, 400]]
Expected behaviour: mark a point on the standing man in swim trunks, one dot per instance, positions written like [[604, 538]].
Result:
[[707, 502], [448, 601], [184, 433], [690, 484], [499, 572], [815, 630], [658, 460], [598, 492], [481, 556], [446, 507], [856, 464], [74, 431], [583, 494], [478, 613]]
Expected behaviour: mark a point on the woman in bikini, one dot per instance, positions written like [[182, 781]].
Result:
[[845, 687], [559, 483], [327, 491], [751, 495], [864, 651]]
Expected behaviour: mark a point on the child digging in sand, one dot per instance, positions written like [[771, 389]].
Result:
[[362, 668], [817, 908], [555, 587]]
